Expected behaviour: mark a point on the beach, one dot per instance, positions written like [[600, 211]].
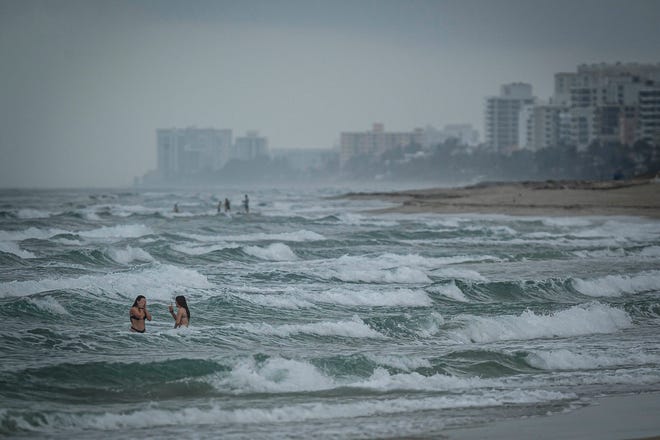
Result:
[[550, 198], [616, 418]]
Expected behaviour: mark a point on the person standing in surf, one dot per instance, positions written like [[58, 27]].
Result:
[[138, 314], [182, 316]]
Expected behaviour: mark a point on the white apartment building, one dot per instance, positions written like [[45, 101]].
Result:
[[502, 116], [542, 126], [191, 150], [375, 142], [604, 100], [649, 115], [250, 146]]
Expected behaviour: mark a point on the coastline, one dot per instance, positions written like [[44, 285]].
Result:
[[613, 417], [639, 198]]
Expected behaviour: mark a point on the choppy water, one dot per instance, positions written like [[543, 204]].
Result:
[[311, 318]]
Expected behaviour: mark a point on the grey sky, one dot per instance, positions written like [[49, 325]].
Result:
[[84, 84]]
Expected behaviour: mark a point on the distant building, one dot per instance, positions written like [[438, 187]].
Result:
[[502, 116], [250, 146], [376, 142], [465, 134], [606, 101], [649, 115], [543, 126], [306, 159], [191, 150]]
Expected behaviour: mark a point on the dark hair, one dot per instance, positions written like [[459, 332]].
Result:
[[181, 302], [139, 297]]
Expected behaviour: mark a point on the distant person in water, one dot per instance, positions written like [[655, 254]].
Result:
[[219, 207], [176, 207], [182, 316], [246, 204], [138, 314], [227, 205]]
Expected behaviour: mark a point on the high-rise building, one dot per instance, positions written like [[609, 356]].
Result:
[[250, 146], [191, 150], [604, 99], [649, 114], [543, 126], [502, 116], [376, 142]]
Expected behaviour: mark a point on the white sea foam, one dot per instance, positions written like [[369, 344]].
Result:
[[450, 290], [354, 328], [374, 298], [275, 375], [399, 275], [279, 301], [430, 325], [160, 283], [319, 410], [405, 363], [273, 252], [617, 285], [28, 213], [302, 235], [128, 255], [459, 274], [119, 231], [577, 320], [296, 298], [204, 249], [650, 251], [563, 359], [48, 304], [354, 219], [30, 233], [13, 248]]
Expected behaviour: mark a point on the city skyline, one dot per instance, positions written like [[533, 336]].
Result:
[[85, 84]]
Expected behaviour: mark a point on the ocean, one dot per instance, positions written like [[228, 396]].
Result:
[[311, 317]]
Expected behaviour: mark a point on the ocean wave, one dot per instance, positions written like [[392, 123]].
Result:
[[13, 248], [399, 275], [274, 375], [353, 328], [563, 359], [302, 235], [273, 252], [203, 249], [617, 285], [27, 214], [128, 255], [296, 298], [218, 415], [119, 231], [160, 282], [578, 320], [449, 290]]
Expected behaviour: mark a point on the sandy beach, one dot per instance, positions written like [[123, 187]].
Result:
[[551, 198], [616, 418]]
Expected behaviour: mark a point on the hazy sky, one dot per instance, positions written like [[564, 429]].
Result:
[[84, 84]]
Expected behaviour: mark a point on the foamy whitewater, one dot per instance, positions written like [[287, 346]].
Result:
[[310, 317]]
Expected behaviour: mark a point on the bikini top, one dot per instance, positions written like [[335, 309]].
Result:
[[138, 318]]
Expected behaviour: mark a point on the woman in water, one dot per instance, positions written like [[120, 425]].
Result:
[[182, 316], [138, 314]]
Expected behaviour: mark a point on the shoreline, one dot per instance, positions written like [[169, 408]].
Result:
[[612, 417], [639, 198]]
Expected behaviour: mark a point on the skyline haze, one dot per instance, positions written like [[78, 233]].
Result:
[[85, 84]]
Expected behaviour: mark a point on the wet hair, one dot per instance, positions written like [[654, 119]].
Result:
[[181, 302], [138, 298]]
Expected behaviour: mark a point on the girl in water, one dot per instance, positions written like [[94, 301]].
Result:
[[182, 316], [138, 314]]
